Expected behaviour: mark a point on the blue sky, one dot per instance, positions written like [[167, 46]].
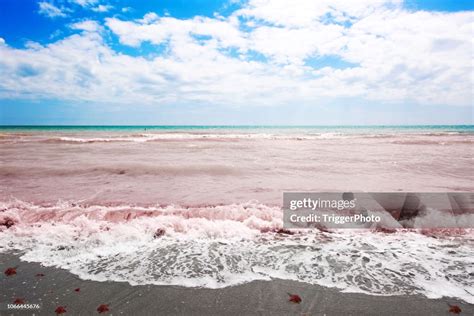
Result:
[[236, 62]]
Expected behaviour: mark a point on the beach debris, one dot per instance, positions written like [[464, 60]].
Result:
[[10, 271], [283, 231], [7, 222], [63, 247], [159, 232], [454, 309], [19, 301], [77, 289], [60, 310], [40, 275], [294, 298], [103, 308]]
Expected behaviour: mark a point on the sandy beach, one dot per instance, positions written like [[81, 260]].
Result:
[[57, 288]]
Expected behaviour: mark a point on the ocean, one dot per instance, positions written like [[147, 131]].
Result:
[[248, 128], [200, 206]]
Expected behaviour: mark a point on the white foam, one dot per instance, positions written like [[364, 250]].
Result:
[[219, 246], [149, 137]]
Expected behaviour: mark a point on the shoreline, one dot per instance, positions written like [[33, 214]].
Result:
[[57, 288]]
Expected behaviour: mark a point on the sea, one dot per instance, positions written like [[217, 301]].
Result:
[[201, 206]]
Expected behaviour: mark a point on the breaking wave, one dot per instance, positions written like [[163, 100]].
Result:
[[216, 246]]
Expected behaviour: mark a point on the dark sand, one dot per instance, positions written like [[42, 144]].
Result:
[[57, 286]]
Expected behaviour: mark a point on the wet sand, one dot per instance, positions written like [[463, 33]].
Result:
[[57, 287]]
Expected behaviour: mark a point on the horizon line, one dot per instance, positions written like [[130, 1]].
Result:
[[227, 125]]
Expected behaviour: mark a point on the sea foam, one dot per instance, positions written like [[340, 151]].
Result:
[[224, 245]]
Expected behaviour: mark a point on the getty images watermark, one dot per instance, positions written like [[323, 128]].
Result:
[[375, 209]]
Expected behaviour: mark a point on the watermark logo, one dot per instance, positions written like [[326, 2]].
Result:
[[378, 209]]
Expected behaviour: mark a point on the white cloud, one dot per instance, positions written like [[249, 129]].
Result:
[[82, 67], [293, 45], [305, 12], [102, 8], [149, 18], [87, 25], [93, 5], [393, 55], [157, 30], [51, 11], [85, 3]]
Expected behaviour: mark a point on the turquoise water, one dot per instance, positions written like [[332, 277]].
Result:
[[252, 129]]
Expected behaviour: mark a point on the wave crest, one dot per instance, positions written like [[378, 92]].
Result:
[[223, 245]]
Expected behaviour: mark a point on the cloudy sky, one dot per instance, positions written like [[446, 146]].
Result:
[[236, 62]]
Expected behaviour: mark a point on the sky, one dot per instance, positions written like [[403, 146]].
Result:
[[255, 62]]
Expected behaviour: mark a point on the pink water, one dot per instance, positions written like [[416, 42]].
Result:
[[207, 169], [202, 208]]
